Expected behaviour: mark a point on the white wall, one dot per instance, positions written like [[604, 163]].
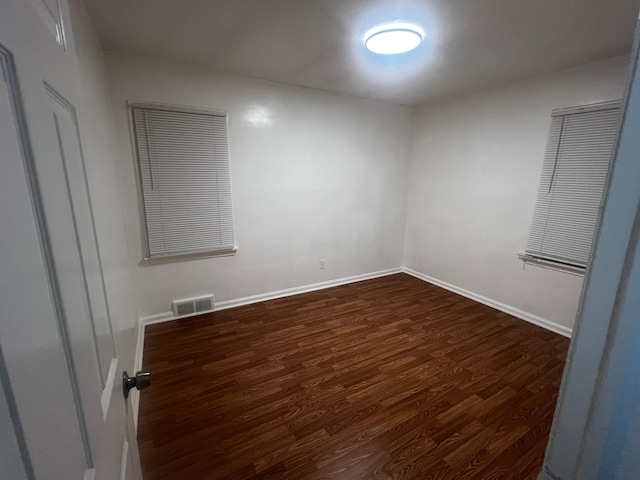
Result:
[[475, 167], [96, 129], [315, 175]]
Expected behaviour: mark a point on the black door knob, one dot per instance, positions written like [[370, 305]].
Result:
[[141, 381]]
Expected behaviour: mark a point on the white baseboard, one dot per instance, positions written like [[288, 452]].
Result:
[[304, 289], [516, 312], [158, 318], [263, 297]]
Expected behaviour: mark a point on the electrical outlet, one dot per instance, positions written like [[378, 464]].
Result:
[[322, 264]]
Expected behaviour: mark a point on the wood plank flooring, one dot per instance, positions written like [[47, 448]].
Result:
[[390, 378]]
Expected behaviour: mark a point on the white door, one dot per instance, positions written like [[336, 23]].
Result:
[[62, 412]]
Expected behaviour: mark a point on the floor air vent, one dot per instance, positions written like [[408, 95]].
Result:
[[190, 306]]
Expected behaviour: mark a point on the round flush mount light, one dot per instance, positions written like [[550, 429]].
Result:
[[393, 39]]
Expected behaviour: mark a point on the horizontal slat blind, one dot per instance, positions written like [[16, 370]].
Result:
[[183, 158], [573, 177]]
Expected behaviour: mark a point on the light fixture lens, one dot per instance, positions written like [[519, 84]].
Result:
[[393, 40]]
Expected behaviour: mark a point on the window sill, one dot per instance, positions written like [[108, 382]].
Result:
[[184, 257], [528, 259]]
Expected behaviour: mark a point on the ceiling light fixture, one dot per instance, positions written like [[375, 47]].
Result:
[[393, 39]]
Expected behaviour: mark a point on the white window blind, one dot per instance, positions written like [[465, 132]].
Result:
[[574, 174], [183, 159]]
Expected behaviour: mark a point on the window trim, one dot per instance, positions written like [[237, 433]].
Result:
[[147, 258]]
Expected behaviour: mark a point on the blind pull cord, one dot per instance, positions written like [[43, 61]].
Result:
[[555, 164], [146, 126]]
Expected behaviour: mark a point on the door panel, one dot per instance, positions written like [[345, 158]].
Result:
[[56, 343], [65, 121], [68, 221], [35, 365]]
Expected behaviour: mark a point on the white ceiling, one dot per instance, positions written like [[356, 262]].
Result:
[[318, 43]]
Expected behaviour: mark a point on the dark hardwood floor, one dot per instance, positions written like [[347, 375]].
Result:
[[391, 378]]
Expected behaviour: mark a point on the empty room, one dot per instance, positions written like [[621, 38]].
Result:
[[319, 239]]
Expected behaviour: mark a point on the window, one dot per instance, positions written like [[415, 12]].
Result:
[[183, 163], [574, 173]]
